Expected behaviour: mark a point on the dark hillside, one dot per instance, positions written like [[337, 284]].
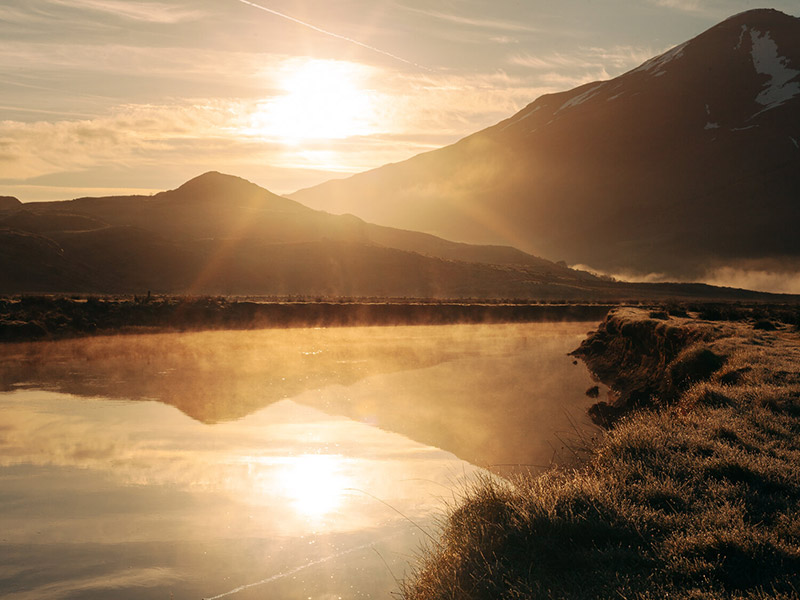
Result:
[[689, 162]]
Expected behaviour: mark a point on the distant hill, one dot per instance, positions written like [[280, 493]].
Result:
[[688, 162], [220, 234]]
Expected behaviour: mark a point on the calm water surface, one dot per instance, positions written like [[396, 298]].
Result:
[[271, 464]]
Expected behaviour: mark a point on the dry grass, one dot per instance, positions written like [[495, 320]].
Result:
[[698, 497]]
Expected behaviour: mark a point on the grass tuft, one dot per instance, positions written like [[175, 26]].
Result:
[[694, 498]]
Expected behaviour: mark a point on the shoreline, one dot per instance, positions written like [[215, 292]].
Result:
[[693, 493], [33, 318], [25, 318]]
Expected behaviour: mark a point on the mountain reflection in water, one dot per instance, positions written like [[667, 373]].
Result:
[[280, 484]]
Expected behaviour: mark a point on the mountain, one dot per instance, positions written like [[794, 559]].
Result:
[[221, 234], [687, 163]]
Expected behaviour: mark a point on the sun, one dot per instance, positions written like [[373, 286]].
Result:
[[321, 100]]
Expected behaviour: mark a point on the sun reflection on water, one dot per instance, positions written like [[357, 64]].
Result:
[[314, 485]]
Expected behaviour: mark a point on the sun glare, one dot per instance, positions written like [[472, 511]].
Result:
[[314, 483], [323, 99]]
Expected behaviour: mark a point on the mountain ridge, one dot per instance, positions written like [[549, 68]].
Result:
[[220, 233], [226, 241], [687, 162]]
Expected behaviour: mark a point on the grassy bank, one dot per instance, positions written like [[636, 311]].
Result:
[[28, 318], [694, 492]]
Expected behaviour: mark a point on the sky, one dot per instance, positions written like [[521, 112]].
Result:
[[106, 97]]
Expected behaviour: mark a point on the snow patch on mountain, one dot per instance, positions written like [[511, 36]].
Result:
[[580, 98], [656, 65], [741, 38], [710, 124], [521, 117], [767, 61]]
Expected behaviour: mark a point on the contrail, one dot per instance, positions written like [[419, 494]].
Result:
[[290, 571], [332, 34]]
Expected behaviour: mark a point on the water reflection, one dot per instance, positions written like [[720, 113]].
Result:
[[221, 375], [279, 493], [466, 389], [314, 483], [109, 489]]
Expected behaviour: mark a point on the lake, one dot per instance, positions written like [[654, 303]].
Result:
[[283, 463]]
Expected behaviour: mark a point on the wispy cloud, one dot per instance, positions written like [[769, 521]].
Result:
[[616, 59], [559, 71], [29, 150], [410, 113], [17, 15], [691, 6], [716, 9], [775, 276], [779, 281], [172, 61], [150, 12], [41, 111], [476, 22]]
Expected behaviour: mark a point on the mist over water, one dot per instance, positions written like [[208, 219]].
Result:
[[288, 461]]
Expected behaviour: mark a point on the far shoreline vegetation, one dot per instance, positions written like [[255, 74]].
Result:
[[44, 317], [50, 317]]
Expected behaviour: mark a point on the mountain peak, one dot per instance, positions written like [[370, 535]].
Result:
[[748, 17], [214, 181], [215, 188]]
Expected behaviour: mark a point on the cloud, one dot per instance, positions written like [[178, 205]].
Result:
[[409, 113], [476, 22], [34, 64], [130, 133], [773, 276], [503, 39], [765, 280], [150, 12], [19, 15], [627, 275], [582, 65], [690, 6], [719, 9], [70, 13]]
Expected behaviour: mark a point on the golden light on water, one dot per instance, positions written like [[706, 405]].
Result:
[[322, 100], [314, 484]]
